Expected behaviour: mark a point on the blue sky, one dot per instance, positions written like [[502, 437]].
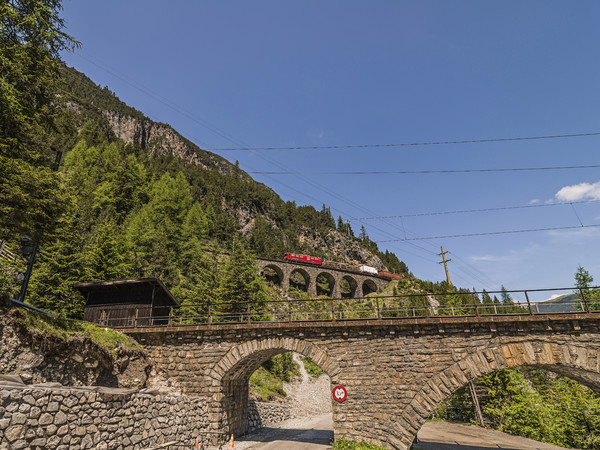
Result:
[[232, 74]]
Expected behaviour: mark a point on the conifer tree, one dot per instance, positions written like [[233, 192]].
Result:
[[60, 265], [240, 284], [31, 38]]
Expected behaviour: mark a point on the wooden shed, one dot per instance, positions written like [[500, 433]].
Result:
[[127, 303]]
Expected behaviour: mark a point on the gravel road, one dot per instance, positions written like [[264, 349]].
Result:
[[308, 433]]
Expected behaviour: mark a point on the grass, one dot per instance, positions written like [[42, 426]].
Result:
[[351, 445], [66, 329], [265, 385], [311, 368]]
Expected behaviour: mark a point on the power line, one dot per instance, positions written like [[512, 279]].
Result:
[[407, 172], [476, 210], [414, 144], [493, 232]]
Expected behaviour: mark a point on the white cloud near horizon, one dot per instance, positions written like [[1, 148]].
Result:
[[579, 191], [510, 255]]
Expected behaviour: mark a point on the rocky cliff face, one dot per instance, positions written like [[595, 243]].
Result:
[[163, 139]]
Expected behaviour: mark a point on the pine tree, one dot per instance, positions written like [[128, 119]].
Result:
[[104, 257], [60, 265], [31, 38], [240, 284], [583, 282]]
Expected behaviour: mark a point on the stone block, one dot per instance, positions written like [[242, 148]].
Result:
[[46, 419], [14, 432]]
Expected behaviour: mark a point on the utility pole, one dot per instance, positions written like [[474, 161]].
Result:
[[29, 249], [444, 262]]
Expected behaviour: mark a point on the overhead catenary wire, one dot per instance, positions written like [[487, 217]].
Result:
[[465, 211], [415, 144], [492, 233], [419, 172]]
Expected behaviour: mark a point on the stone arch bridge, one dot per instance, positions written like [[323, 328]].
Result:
[[396, 372], [360, 283]]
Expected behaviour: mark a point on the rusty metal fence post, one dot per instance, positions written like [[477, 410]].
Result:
[[585, 302], [475, 305], [528, 303]]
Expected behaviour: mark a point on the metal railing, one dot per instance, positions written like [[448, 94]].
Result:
[[6, 254], [375, 307]]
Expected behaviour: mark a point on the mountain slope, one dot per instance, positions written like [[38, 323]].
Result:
[[297, 229]]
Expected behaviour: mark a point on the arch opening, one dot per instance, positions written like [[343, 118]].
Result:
[[348, 287], [325, 284], [232, 374], [299, 279], [273, 274], [534, 374], [369, 287], [290, 385], [525, 401]]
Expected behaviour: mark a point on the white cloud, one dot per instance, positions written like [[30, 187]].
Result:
[[535, 201], [510, 255], [579, 191], [488, 258]]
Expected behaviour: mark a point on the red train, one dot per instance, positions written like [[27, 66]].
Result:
[[303, 258]]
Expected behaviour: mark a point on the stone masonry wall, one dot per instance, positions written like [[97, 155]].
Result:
[[38, 418], [261, 414]]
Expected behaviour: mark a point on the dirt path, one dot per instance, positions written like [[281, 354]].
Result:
[[311, 397], [316, 433]]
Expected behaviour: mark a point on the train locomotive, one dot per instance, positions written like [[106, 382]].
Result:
[[302, 258]]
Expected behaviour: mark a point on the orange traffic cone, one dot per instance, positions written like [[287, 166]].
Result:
[[231, 442], [197, 445]]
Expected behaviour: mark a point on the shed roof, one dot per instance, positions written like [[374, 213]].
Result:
[[126, 291]]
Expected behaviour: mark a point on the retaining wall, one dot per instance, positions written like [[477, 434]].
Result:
[[261, 414], [38, 418], [63, 418]]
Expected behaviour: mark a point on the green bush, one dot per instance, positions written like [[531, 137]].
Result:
[[265, 386], [311, 368]]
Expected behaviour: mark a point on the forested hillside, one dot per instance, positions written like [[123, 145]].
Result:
[[135, 199]]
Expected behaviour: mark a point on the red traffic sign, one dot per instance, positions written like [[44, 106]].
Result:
[[339, 393]]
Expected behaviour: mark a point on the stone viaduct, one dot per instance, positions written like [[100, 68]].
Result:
[[396, 371], [360, 283]]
